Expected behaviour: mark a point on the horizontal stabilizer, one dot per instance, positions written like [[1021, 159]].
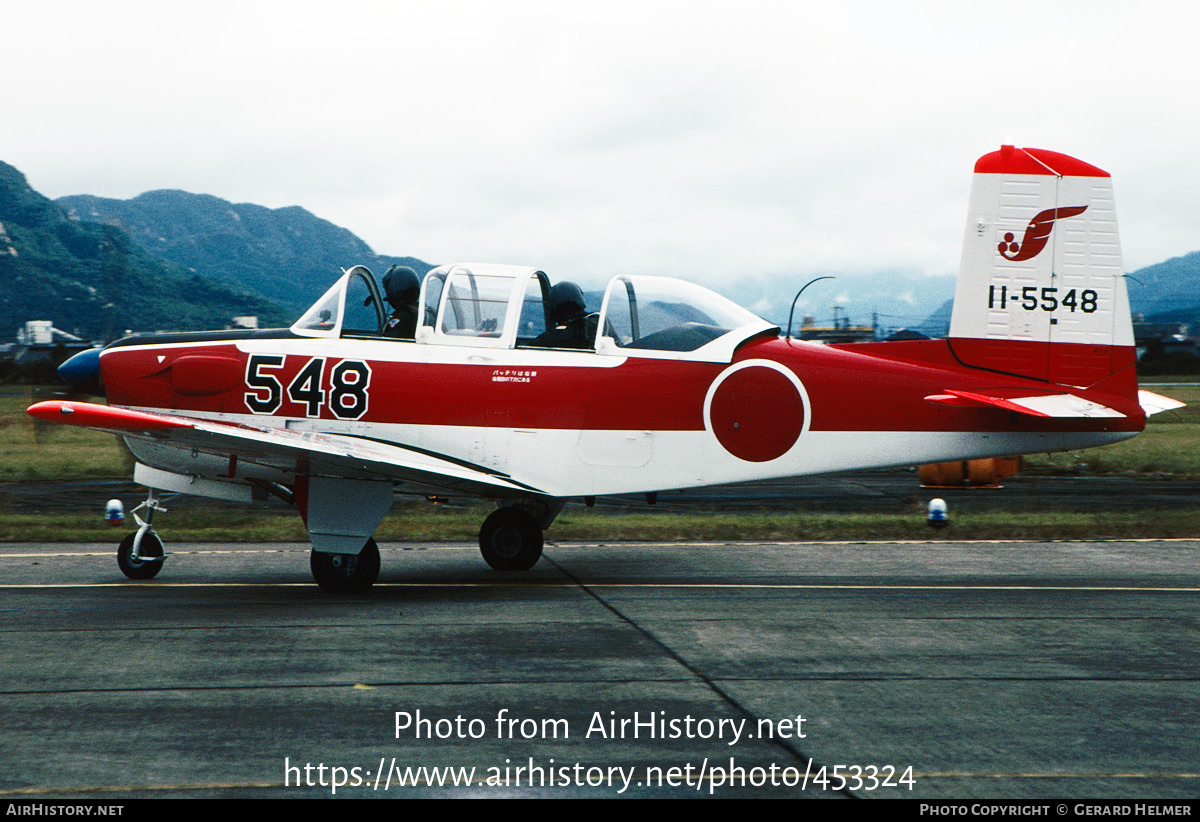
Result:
[[1155, 403], [1047, 405]]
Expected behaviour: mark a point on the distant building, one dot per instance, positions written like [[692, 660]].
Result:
[[1144, 331], [43, 332], [40, 348], [1164, 348], [840, 332]]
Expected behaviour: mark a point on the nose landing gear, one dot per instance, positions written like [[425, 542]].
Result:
[[141, 554]]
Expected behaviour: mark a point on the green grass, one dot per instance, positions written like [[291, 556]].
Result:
[[1170, 445], [815, 527], [423, 523], [35, 450]]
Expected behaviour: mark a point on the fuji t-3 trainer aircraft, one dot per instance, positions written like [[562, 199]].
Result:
[[674, 386]]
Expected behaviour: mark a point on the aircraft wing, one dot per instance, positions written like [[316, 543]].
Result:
[[346, 454]]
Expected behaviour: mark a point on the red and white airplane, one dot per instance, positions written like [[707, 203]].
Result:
[[677, 387]]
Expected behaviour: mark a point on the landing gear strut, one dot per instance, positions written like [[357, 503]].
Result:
[[141, 555], [511, 539], [346, 573]]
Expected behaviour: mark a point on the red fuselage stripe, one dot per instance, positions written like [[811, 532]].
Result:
[[872, 387]]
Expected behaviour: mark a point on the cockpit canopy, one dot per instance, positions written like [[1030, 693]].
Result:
[[480, 305]]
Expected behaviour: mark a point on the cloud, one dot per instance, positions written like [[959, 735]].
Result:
[[707, 139]]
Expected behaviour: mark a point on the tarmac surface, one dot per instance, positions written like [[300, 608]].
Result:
[[935, 670]]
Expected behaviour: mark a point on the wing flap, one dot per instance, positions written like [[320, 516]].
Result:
[[338, 453]]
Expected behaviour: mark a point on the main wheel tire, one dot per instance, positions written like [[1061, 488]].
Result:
[[346, 573], [511, 539], [150, 561]]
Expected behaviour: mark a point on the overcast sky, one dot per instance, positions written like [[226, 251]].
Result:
[[709, 140]]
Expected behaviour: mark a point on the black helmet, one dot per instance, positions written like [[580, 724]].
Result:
[[401, 286], [566, 302]]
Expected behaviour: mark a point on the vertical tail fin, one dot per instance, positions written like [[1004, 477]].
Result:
[[1041, 288]]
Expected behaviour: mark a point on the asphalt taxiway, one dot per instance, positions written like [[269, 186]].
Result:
[[871, 670]]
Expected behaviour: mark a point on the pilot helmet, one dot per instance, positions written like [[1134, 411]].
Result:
[[566, 302], [401, 286]]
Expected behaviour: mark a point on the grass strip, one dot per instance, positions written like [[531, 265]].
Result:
[[421, 524]]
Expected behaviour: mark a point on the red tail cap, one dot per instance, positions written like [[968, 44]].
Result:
[[1012, 160]]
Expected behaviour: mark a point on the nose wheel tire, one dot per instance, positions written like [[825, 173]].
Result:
[[346, 573], [149, 561], [511, 539]]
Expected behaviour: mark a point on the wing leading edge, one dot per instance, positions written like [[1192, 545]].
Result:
[[353, 456]]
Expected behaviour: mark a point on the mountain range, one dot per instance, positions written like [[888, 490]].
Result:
[[287, 254], [175, 260], [92, 279]]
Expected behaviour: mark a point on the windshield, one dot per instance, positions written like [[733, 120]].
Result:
[[325, 313]]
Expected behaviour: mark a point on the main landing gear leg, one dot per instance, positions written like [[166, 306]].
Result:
[[346, 573], [141, 555]]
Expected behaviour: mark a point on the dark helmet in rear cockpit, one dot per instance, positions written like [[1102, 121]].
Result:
[[566, 302], [401, 286]]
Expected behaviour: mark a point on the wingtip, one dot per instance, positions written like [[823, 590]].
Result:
[[49, 410], [105, 417]]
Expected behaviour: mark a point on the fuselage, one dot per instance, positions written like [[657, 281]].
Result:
[[576, 423]]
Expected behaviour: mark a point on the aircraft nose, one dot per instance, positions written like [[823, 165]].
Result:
[[82, 372]]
